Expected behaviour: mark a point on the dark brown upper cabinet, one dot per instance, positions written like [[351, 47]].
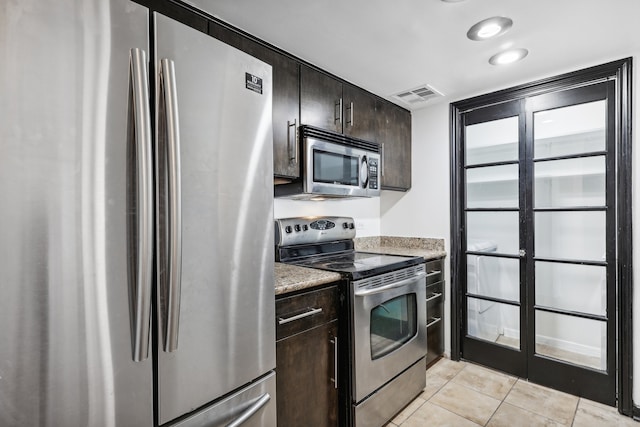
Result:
[[286, 99], [327, 103], [393, 129]]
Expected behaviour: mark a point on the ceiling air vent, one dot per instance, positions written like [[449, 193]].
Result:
[[418, 96]]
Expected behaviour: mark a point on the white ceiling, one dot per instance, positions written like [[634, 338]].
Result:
[[387, 46]]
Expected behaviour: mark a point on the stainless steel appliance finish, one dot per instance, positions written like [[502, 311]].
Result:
[[68, 84], [367, 294], [387, 311], [334, 165], [383, 405], [78, 183], [250, 407], [226, 332]]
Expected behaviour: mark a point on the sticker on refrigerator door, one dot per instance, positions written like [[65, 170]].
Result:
[[253, 83]]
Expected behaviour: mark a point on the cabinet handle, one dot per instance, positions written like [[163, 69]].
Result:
[[382, 159], [350, 120], [292, 140], [433, 273], [433, 321], [334, 341], [434, 296], [338, 111], [311, 312]]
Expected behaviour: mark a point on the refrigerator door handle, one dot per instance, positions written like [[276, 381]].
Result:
[[140, 228], [171, 156], [251, 411]]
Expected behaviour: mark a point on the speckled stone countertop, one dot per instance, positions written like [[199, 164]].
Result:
[[413, 246], [291, 278]]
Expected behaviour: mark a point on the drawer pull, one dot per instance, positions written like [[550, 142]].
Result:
[[434, 273], [433, 321], [434, 296], [311, 312]]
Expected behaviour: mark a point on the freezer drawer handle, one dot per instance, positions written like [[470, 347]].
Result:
[[170, 221], [142, 198], [399, 284], [311, 312], [245, 416], [433, 321], [434, 296]]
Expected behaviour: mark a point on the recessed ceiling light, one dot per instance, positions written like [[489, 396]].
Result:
[[490, 27], [508, 56]]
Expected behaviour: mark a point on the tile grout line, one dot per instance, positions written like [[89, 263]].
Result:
[[502, 401], [573, 420]]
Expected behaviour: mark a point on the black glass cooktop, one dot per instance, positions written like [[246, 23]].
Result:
[[359, 265]]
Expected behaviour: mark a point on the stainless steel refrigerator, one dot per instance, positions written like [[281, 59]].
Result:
[[136, 215]]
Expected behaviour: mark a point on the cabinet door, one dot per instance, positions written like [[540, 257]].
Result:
[[304, 373], [359, 113], [286, 103], [320, 100], [286, 99], [394, 133]]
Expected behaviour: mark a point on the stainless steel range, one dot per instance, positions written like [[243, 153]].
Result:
[[386, 313]]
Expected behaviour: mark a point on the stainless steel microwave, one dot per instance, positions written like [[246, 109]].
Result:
[[334, 165]]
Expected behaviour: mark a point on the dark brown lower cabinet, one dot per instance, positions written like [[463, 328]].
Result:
[[306, 352]]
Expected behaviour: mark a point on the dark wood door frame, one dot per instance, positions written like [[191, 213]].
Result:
[[621, 71]]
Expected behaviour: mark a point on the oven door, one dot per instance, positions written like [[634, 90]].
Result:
[[389, 327], [337, 170]]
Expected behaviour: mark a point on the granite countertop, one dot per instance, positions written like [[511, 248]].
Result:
[[291, 278], [427, 248]]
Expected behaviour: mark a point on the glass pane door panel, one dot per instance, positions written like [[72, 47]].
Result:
[[570, 130], [572, 339], [572, 287], [493, 277], [493, 141], [570, 182], [493, 232], [570, 235], [393, 323], [494, 322], [492, 187]]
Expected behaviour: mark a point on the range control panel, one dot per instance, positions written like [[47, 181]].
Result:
[[313, 229]]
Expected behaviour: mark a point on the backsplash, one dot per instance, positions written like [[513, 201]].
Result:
[[364, 243]]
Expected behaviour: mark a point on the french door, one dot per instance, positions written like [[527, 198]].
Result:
[[538, 235]]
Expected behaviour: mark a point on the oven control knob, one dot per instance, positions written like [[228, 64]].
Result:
[[345, 225], [305, 227], [287, 229], [351, 226], [296, 227]]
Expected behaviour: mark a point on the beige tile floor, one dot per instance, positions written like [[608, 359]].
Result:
[[461, 394]]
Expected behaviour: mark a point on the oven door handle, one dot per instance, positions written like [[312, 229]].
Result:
[[379, 289]]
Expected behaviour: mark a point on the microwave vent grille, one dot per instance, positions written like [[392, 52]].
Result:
[[307, 131]]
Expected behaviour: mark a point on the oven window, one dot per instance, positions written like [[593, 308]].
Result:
[[393, 323], [335, 168]]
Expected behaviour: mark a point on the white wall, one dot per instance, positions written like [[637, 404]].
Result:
[[424, 211], [366, 212]]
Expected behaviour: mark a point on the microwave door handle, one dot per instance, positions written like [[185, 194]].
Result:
[[364, 172]]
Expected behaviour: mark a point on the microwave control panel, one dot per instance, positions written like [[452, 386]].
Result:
[[373, 174]]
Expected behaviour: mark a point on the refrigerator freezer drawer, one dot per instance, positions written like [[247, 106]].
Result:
[[253, 406]]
